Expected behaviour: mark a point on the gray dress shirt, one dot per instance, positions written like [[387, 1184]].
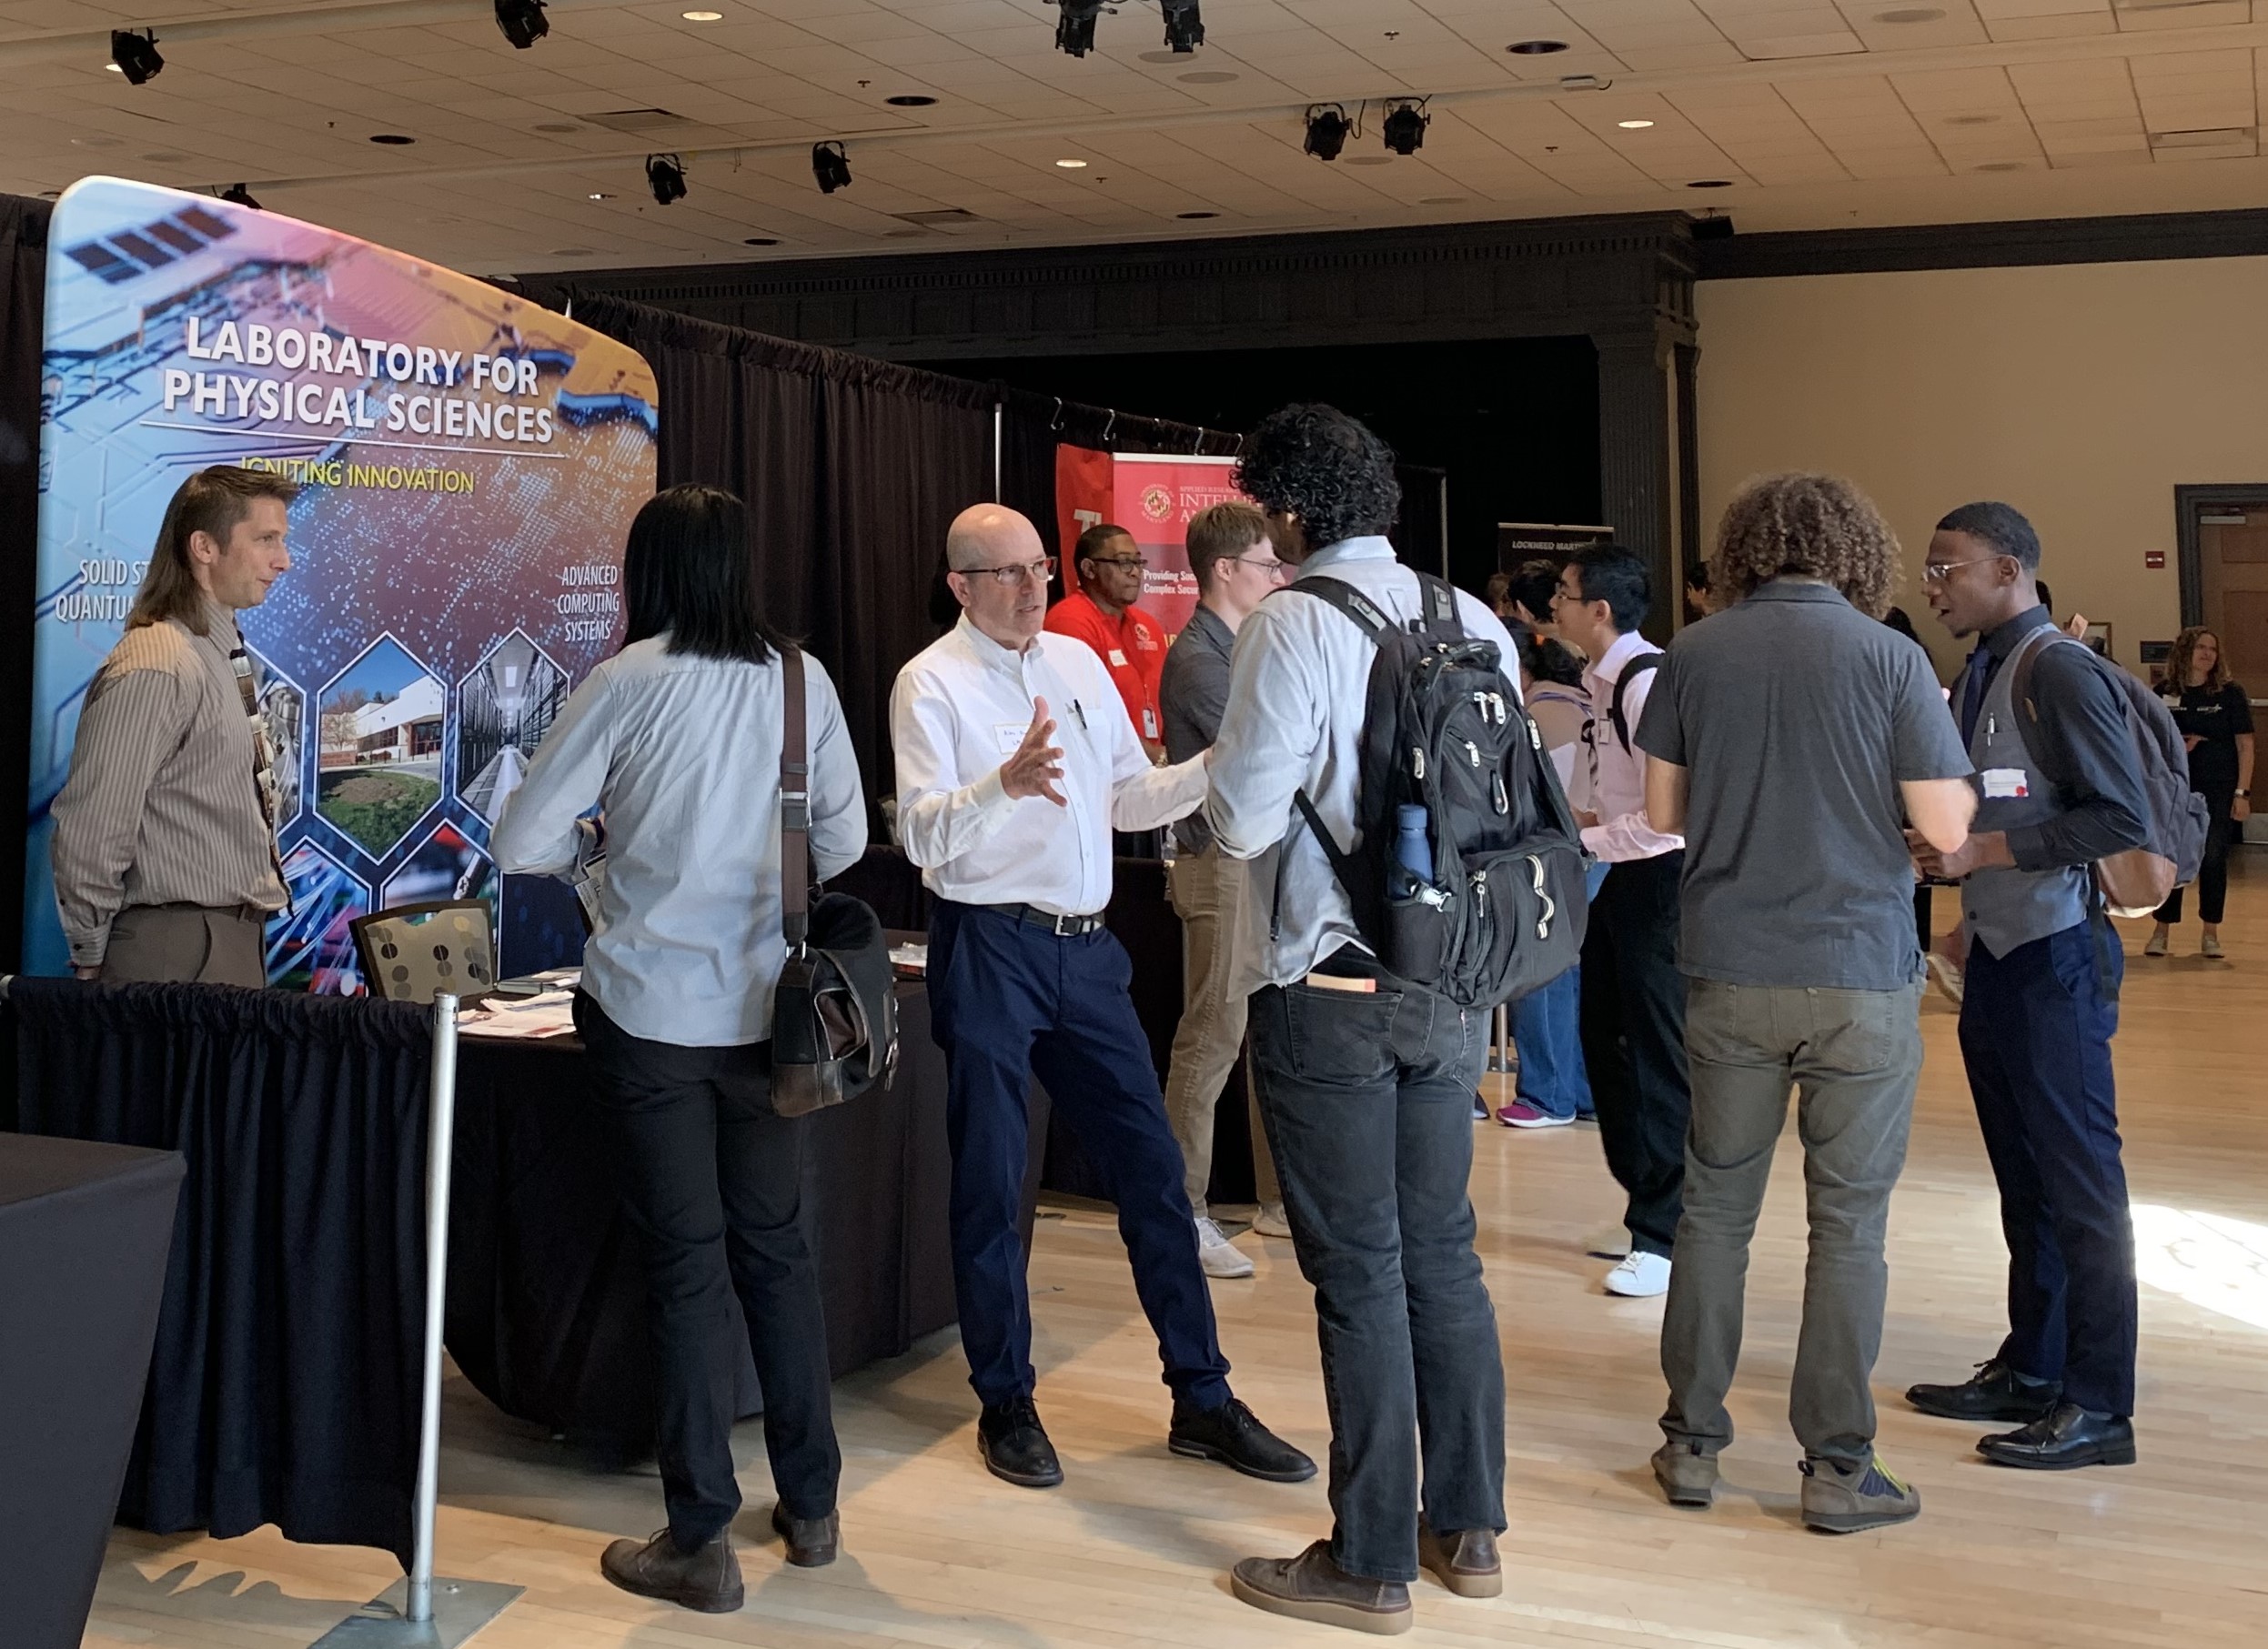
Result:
[[161, 807], [1192, 693]]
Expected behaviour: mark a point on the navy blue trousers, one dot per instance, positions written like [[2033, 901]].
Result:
[[2035, 1034], [1009, 1001]]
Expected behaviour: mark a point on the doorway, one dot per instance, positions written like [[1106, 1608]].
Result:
[[2224, 573]]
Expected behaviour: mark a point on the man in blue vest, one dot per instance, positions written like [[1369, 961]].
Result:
[[2061, 785]]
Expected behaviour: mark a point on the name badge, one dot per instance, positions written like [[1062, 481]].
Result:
[[1149, 723], [1117, 658], [2005, 784], [1010, 735]]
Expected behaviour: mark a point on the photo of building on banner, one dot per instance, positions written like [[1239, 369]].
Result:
[[468, 465]]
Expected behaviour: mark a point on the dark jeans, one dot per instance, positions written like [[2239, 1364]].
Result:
[[1633, 1042], [1546, 1031], [712, 1186], [1008, 1002], [2035, 1034], [2213, 872], [1368, 1104], [1853, 1056]]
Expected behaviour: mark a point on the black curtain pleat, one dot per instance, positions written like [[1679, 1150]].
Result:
[[22, 302], [284, 1385]]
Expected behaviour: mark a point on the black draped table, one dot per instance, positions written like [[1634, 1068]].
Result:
[[84, 1231], [546, 1312]]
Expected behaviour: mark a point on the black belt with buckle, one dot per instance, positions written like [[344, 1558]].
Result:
[[1062, 927]]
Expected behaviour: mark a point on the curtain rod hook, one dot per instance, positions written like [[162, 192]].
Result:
[[1055, 421], [1109, 426]]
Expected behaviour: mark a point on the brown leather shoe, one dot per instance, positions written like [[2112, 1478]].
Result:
[[1465, 1562], [812, 1541], [708, 1580], [1311, 1587]]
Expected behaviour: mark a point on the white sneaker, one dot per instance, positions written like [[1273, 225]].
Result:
[[1218, 1255], [2155, 945], [1640, 1276], [1612, 1243], [2209, 945], [1270, 1220], [1947, 973]]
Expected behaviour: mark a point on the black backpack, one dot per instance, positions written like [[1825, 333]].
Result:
[[1505, 910]]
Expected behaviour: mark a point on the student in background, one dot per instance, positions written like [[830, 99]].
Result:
[[1700, 600], [2215, 716], [1104, 613]]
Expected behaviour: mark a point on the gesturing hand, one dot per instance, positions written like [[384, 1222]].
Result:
[[1037, 765]]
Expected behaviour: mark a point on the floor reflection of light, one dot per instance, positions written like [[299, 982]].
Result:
[[2209, 1260]]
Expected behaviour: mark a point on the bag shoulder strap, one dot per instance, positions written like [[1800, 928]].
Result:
[[1636, 667], [795, 807], [1372, 619]]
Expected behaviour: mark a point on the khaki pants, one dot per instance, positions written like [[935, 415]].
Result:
[[1208, 891], [185, 944]]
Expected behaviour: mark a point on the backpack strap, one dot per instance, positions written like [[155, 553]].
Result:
[[1636, 667], [1374, 621]]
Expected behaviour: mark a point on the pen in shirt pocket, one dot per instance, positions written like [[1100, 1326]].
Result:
[[1079, 710]]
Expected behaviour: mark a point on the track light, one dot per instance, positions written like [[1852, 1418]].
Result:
[[242, 196], [1328, 126], [522, 21], [1404, 128], [135, 55], [1185, 29], [665, 176], [1075, 25], [830, 166]]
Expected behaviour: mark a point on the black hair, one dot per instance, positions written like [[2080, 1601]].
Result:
[[1532, 584], [1697, 578], [2000, 527], [1091, 542], [1898, 621], [1548, 660], [1609, 573], [2040, 589], [689, 570], [1314, 462]]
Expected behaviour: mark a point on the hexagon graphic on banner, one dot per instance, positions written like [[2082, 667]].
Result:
[[313, 947], [284, 723], [377, 762], [444, 866], [504, 708]]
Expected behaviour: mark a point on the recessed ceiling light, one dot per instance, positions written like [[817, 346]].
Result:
[[600, 194], [2002, 165], [910, 100], [394, 138], [1634, 125], [1970, 119], [1072, 166], [1711, 183], [1536, 48], [760, 240], [1194, 216], [702, 16]]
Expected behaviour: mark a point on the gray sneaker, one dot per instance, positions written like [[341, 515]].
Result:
[[1836, 1501], [1687, 1476]]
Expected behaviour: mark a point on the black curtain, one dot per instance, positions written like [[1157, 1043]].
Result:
[[23, 301], [284, 1387], [852, 468]]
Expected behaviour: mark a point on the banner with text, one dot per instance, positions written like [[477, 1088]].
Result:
[[1153, 497], [470, 465]]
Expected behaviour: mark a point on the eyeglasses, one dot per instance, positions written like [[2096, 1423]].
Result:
[[1935, 572], [1275, 569], [1117, 560], [1014, 573]]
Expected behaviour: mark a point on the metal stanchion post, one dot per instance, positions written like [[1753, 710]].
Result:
[[407, 1614]]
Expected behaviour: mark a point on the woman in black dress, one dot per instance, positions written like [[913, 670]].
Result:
[[2216, 721]]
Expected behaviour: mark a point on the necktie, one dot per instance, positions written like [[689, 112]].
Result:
[[1972, 698]]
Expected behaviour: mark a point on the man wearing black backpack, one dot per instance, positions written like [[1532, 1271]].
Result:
[[2060, 774], [1364, 1078]]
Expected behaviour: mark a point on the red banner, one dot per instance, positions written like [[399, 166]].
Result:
[[1152, 498]]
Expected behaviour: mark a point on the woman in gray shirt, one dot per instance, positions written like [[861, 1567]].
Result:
[[675, 741]]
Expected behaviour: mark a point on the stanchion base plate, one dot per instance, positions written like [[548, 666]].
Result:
[[460, 1608]]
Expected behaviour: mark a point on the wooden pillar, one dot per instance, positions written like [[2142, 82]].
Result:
[[1635, 439]]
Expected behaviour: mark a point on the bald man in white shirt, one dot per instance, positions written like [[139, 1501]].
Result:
[[1015, 762]]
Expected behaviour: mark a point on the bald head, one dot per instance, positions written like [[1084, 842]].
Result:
[[999, 572], [991, 535]]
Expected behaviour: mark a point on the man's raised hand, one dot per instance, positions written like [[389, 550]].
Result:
[[1037, 765]]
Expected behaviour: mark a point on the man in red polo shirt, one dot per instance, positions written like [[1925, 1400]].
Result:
[[1102, 613]]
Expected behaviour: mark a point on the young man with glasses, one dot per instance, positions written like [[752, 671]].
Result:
[[1235, 566], [1012, 772], [1103, 613]]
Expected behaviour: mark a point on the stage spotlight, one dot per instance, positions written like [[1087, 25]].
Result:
[[1405, 128], [1328, 126], [135, 55], [1185, 29], [522, 21], [1075, 25], [830, 166], [665, 176], [241, 197]]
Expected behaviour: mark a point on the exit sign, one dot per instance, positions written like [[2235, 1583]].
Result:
[[2153, 558]]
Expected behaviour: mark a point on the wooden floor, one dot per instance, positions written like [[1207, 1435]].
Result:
[[1135, 1549]]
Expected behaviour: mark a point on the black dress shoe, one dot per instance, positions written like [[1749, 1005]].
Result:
[[1016, 1447], [1232, 1435], [2068, 1437], [812, 1542], [707, 1579], [1995, 1391]]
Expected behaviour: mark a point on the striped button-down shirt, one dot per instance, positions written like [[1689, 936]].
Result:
[[161, 807]]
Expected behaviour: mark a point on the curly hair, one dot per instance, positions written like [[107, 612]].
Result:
[[2185, 647], [1313, 462], [1808, 527]]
